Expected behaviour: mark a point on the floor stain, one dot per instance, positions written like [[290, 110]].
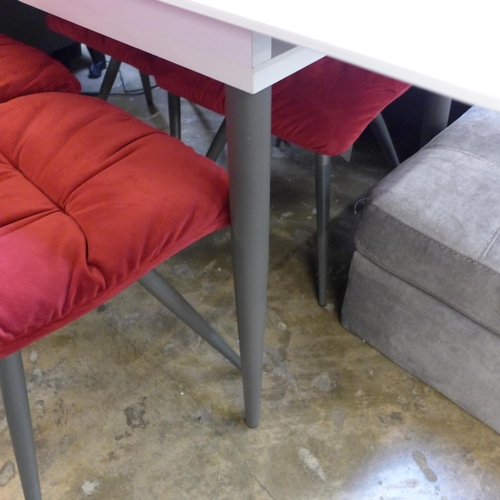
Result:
[[7, 472], [322, 382], [89, 487], [312, 463], [421, 461], [135, 415]]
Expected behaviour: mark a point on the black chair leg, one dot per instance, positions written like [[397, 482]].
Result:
[[218, 143], [174, 115], [109, 79], [16, 404], [146, 85]]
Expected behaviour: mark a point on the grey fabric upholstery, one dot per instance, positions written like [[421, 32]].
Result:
[[424, 285]]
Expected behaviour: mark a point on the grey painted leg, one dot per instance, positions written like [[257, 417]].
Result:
[[218, 143], [109, 79], [146, 85], [173, 300], [15, 400], [379, 128], [249, 157], [323, 173], [436, 115], [174, 115]]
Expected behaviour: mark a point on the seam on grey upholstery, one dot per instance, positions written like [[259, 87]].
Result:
[[446, 300], [489, 244], [434, 242], [465, 153]]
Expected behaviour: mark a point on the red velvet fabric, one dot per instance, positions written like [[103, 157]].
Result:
[[90, 200], [137, 58], [26, 70]]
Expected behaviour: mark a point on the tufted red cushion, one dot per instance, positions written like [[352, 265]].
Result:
[[26, 70], [90, 200], [137, 58], [324, 107]]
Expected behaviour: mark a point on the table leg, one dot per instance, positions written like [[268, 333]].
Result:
[[249, 158], [435, 118]]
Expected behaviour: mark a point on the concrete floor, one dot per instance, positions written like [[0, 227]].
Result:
[[128, 404]]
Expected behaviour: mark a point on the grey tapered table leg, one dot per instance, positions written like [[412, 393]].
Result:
[[249, 158]]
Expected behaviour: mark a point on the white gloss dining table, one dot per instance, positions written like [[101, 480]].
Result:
[[442, 46]]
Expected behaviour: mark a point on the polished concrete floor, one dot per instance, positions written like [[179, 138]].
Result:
[[128, 404]]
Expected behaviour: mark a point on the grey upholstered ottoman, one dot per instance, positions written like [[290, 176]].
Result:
[[424, 285]]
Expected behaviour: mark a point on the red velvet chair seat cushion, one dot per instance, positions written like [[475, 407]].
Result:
[[25, 70], [90, 200]]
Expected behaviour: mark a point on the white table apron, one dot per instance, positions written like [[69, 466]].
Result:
[[248, 63]]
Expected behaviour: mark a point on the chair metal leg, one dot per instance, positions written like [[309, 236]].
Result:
[[173, 300], [435, 118], [323, 174], [15, 400], [381, 132], [146, 85], [218, 142], [347, 154], [109, 79], [174, 115]]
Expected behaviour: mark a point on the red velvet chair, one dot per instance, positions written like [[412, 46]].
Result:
[[324, 107], [26, 70], [82, 218]]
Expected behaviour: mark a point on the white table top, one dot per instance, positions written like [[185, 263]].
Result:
[[445, 46]]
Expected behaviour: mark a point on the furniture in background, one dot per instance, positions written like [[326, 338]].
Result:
[[424, 285], [72, 233]]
